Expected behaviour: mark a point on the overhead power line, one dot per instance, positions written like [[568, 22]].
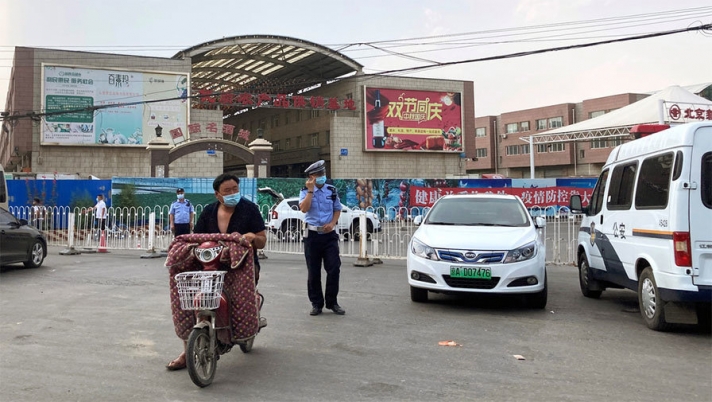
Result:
[[36, 116]]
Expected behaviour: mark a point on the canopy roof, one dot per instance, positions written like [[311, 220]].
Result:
[[619, 122], [265, 63]]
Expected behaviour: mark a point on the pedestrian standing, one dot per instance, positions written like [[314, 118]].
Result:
[[100, 212], [38, 213], [320, 202], [181, 214]]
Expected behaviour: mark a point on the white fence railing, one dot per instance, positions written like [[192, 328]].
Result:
[[130, 229]]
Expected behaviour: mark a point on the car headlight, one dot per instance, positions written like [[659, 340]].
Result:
[[422, 250], [522, 253]]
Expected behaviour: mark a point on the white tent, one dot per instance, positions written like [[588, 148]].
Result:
[[653, 109]]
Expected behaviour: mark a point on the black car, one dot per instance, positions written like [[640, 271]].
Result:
[[20, 242]]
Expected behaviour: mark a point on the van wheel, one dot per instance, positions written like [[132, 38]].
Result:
[[651, 305], [704, 316], [585, 281], [418, 295]]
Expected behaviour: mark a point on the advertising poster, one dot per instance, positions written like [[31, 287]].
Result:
[[83, 89], [408, 120]]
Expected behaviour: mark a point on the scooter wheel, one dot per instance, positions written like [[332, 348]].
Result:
[[247, 346], [200, 358]]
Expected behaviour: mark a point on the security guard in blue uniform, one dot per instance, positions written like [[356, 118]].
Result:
[[181, 214], [320, 202]]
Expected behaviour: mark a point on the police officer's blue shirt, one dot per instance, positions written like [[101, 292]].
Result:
[[325, 201], [181, 211]]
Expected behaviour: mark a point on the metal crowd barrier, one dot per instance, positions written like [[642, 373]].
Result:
[[148, 229]]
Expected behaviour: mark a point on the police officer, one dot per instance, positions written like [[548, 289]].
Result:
[[181, 214], [320, 202]]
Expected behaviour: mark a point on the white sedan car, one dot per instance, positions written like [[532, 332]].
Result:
[[478, 243]]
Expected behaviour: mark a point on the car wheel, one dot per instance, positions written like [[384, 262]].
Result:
[[538, 300], [652, 306], [418, 295], [585, 281], [290, 230], [37, 255]]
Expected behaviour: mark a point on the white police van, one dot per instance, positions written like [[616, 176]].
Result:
[[648, 226]]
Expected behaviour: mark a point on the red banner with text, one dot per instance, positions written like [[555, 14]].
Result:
[[532, 197]]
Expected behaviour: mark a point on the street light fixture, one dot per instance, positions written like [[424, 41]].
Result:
[[159, 131]]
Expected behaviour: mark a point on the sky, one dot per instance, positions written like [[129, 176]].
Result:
[[372, 31]]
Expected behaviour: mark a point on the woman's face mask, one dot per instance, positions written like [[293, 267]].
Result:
[[321, 180]]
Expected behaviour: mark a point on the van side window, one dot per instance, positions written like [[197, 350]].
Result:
[[654, 182], [706, 178], [678, 166], [597, 196], [620, 192]]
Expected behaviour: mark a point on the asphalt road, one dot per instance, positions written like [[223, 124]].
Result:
[[97, 327]]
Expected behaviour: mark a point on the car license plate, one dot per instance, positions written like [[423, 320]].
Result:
[[470, 272]]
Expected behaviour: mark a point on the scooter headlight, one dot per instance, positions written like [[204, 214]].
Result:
[[207, 253]]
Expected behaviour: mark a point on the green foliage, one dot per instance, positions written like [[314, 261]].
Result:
[[127, 198]]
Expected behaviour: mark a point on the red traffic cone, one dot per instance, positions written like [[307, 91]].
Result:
[[102, 243]]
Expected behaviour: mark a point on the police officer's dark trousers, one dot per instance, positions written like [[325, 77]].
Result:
[[182, 228], [318, 248]]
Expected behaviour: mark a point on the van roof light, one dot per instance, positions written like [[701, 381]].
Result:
[[644, 130]]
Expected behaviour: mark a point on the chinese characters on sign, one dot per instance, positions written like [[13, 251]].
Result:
[[690, 113], [407, 120], [532, 197], [208, 99]]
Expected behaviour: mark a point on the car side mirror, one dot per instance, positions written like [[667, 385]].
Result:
[[344, 210], [23, 222], [575, 204], [539, 222], [418, 220]]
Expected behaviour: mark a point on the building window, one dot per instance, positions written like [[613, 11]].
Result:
[[299, 115], [512, 149], [262, 124], [556, 122], [480, 132], [275, 145], [315, 140], [598, 143], [512, 128], [286, 118], [524, 149], [349, 95], [314, 114], [481, 152], [287, 143], [328, 138], [299, 142], [541, 148], [557, 147], [582, 154], [597, 113], [524, 126], [614, 142], [541, 124], [275, 121]]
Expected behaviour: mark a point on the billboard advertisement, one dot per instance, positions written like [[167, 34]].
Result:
[[90, 93], [409, 120]]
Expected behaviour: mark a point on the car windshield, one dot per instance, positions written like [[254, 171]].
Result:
[[478, 212]]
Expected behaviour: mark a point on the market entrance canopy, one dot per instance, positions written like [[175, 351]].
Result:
[[672, 105], [264, 63]]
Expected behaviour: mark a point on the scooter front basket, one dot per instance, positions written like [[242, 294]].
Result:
[[200, 290]]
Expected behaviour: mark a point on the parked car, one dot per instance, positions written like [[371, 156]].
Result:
[[478, 243], [20, 242], [285, 220]]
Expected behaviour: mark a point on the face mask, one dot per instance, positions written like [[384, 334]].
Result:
[[321, 180], [181, 196], [97, 199], [231, 200]]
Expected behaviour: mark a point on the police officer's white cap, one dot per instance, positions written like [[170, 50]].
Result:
[[316, 168]]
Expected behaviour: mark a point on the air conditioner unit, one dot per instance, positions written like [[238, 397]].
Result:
[[503, 136]]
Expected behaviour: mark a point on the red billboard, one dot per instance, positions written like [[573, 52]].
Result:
[[407, 120]]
